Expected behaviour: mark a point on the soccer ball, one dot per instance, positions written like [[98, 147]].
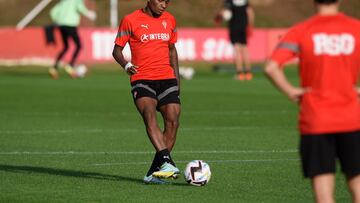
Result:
[[197, 172], [226, 14], [186, 72], [81, 70]]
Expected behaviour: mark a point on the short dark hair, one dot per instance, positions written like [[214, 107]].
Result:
[[325, 1]]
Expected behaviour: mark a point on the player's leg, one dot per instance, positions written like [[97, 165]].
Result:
[[318, 157], [64, 39], [169, 106], [323, 188], [147, 108], [170, 114], [244, 52], [73, 34], [75, 37], [348, 149], [162, 165], [53, 71], [354, 187], [144, 95], [238, 62], [235, 37]]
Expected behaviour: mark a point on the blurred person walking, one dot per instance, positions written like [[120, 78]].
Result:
[[66, 15], [328, 46], [154, 74], [240, 16]]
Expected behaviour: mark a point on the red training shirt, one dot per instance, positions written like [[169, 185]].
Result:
[[328, 48], [149, 40]]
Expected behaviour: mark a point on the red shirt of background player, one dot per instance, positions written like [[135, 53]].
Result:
[[328, 70], [149, 40]]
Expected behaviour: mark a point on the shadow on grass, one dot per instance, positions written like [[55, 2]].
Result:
[[72, 173]]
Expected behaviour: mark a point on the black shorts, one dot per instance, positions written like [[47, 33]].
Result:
[[164, 91], [320, 152], [238, 36]]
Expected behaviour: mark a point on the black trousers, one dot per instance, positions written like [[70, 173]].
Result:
[[67, 33]]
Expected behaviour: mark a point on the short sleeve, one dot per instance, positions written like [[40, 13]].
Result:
[[174, 34], [124, 33], [80, 6], [288, 47]]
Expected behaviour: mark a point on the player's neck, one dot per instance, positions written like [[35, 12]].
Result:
[[328, 10], [149, 12]]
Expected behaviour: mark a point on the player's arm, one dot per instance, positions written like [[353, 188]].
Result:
[[120, 59], [174, 62], [276, 74], [287, 49], [251, 20], [251, 16], [85, 11], [224, 13]]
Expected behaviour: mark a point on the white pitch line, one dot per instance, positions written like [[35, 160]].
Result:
[[65, 131], [150, 152], [127, 130], [208, 161], [133, 113]]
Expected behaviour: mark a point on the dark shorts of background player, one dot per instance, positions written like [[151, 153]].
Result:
[[320, 152], [164, 91], [238, 35]]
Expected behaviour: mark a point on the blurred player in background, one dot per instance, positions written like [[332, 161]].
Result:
[[66, 15], [240, 17], [151, 33], [328, 46]]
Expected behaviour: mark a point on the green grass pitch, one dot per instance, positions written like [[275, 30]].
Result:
[[83, 140]]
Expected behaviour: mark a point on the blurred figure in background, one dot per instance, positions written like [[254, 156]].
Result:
[[66, 15], [240, 17], [328, 46]]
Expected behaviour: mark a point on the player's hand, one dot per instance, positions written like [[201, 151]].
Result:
[[131, 69], [91, 15], [218, 19], [295, 94], [249, 31], [357, 89]]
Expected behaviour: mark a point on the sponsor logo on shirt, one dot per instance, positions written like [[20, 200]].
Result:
[[155, 36], [164, 23], [333, 44], [145, 26]]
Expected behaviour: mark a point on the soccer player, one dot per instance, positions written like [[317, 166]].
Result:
[[240, 24], [66, 15], [154, 75], [328, 48]]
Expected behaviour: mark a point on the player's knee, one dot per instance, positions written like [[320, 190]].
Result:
[[172, 124]]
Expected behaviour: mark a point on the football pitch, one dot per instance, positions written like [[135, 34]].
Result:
[[83, 140]]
